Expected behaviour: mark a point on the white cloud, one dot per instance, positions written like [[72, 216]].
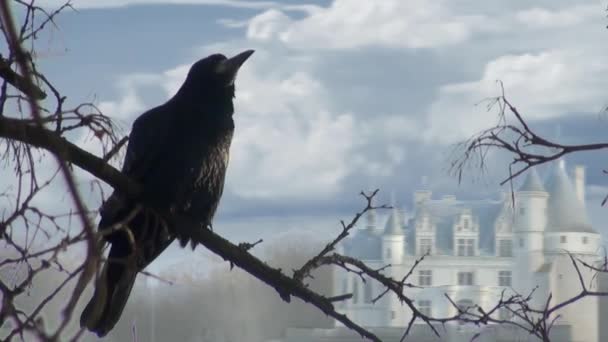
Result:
[[570, 16], [267, 25], [122, 110], [298, 138], [254, 5], [355, 23], [288, 144], [120, 3], [130, 102], [544, 85], [232, 23], [352, 24]]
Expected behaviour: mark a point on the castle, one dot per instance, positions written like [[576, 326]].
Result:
[[477, 249]]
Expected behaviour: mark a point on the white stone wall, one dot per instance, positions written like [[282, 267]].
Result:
[[581, 315], [530, 211], [583, 243], [539, 261], [393, 249]]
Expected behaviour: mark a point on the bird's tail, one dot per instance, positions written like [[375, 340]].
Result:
[[111, 293]]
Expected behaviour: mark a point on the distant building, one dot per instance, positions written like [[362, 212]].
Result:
[[477, 249]]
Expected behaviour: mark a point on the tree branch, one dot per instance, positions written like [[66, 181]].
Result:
[[19, 82], [42, 138]]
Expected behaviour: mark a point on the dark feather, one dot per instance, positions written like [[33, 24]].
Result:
[[179, 152]]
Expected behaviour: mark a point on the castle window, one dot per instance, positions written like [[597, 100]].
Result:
[[367, 292], [465, 223], [425, 277], [393, 315], [424, 306], [521, 242], [522, 211], [426, 246], [504, 278], [563, 239], [585, 240], [465, 278], [388, 253], [505, 248], [465, 247]]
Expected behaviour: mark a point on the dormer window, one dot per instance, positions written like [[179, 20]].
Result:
[[465, 247], [426, 246], [505, 248]]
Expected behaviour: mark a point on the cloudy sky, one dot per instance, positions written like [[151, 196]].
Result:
[[345, 95]]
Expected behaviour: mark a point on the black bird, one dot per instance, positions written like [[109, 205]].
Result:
[[179, 152]]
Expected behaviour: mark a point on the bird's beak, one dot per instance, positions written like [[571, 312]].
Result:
[[230, 66]]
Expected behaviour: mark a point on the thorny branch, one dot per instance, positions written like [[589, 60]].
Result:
[[514, 135], [304, 271]]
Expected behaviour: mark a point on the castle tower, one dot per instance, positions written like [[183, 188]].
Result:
[[393, 239], [529, 225], [569, 230], [394, 252]]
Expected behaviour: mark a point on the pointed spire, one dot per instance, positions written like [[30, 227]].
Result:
[[532, 182], [394, 223], [565, 212]]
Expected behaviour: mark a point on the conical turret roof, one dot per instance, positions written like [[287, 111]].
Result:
[[565, 212], [532, 182]]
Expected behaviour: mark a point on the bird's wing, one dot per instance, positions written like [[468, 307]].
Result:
[[148, 135], [146, 145], [146, 142]]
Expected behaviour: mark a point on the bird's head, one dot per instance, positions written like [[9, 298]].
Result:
[[214, 75]]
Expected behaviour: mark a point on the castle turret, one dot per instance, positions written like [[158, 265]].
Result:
[[393, 239], [393, 247], [568, 224], [569, 231], [530, 222]]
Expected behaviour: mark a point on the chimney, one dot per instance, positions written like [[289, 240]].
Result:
[[579, 182]]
